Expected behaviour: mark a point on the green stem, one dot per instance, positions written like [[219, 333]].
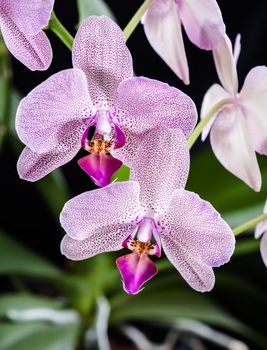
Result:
[[61, 32], [136, 19], [200, 126], [248, 225], [6, 97]]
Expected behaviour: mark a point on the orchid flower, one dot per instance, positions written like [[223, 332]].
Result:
[[261, 231], [55, 118], [163, 21], [21, 24], [150, 211], [239, 128]]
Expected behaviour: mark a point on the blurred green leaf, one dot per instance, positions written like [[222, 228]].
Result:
[[93, 7], [21, 301], [122, 174], [17, 259], [38, 336], [247, 246]]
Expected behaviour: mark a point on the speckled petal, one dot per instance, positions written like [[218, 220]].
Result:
[[33, 166], [135, 271], [50, 111], [109, 206], [226, 66], [160, 165], [33, 51], [162, 27], [232, 146], [29, 16], [99, 50], [195, 238], [143, 104], [214, 94], [203, 22], [103, 239], [253, 97]]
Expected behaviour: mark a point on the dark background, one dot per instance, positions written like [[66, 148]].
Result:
[[23, 213]]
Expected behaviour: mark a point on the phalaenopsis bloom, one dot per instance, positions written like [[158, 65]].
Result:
[[239, 128], [22, 23], [261, 232], [150, 212], [201, 19], [55, 119]]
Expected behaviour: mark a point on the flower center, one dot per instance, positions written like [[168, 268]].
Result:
[[98, 144], [141, 247]]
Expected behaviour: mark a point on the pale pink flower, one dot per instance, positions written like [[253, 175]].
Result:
[[54, 120], [201, 19], [147, 212], [22, 23], [261, 232], [238, 129]]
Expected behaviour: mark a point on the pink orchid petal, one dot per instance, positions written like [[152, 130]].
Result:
[[253, 97], [144, 104], [226, 66], [33, 51], [237, 48], [263, 248], [53, 109], [214, 95], [164, 165], [100, 167], [135, 271], [99, 50], [203, 22], [103, 239], [162, 27], [33, 166], [195, 238], [29, 16], [232, 146], [109, 206]]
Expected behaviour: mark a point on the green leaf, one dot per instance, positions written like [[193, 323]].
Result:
[[18, 260], [93, 7], [38, 336], [122, 174], [19, 301]]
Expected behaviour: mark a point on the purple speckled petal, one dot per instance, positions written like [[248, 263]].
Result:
[[162, 27], [50, 112], [33, 166], [231, 144], [195, 238], [263, 248], [135, 271], [29, 16], [110, 206], [226, 66], [33, 51], [99, 50], [214, 94], [100, 167], [103, 239], [203, 22], [144, 104], [253, 97], [163, 167]]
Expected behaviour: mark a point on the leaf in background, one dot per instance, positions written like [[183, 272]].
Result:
[[17, 259], [93, 7], [38, 336], [20, 301], [122, 174]]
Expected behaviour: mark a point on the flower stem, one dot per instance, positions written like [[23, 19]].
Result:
[[5, 75], [249, 224], [61, 32], [129, 29], [200, 126]]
